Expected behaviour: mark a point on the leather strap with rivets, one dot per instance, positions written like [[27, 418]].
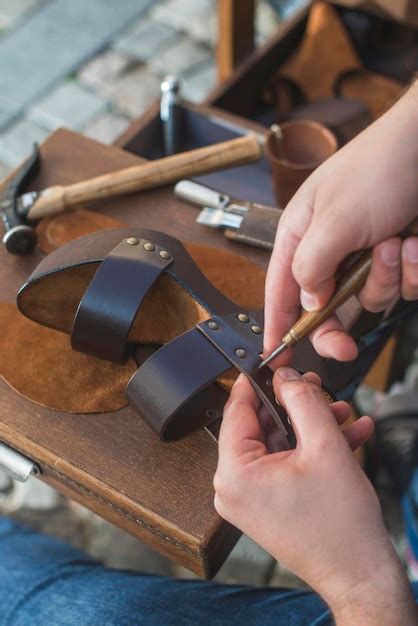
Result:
[[112, 299], [174, 390]]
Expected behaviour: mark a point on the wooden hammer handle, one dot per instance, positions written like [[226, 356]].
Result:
[[148, 175], [349, 284]]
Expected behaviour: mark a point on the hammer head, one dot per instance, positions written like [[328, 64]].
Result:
[[19, 236]]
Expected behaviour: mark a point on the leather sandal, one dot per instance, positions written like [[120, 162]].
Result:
[[133, 292]]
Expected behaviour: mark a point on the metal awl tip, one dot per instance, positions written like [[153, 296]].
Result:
[[273, 355]]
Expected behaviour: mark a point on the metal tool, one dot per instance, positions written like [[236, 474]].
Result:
[[19, 213], [16, 465], [219, 210], [19, 236], [347, 285], [170, 114]]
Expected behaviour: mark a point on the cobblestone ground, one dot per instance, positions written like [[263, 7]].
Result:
[[101, 91], [110, 73]]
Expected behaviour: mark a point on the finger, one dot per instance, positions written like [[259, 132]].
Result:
[[317, 258], [312, 377], [240, 432], [358, 433], [277, 441], [332, 342], [410, 269], [282, 298], [311, 415], [341, 411], [384, 280]]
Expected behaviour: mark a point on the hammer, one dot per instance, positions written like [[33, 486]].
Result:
[[19, 212]]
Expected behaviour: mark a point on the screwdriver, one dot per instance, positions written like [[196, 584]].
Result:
[[347, 285]]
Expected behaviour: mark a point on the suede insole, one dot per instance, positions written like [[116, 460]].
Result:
[[325, 56], [39, 362], [326, 52], [377, 92]]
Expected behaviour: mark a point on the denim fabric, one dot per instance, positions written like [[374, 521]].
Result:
[[45, 582]]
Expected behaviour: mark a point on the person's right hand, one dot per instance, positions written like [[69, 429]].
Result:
[[361, 197]]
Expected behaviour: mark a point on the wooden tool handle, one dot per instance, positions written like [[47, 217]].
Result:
[[148, 175], [350, 283]]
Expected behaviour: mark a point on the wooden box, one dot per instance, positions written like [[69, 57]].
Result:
[[242, 93]]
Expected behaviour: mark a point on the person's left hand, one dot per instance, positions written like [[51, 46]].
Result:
[[313, 507]]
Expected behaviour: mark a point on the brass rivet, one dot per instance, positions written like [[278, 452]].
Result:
[[256, 329], [132, 241], [241, 353], [213, 325], [149, 247], [165, 255], [243, 317]]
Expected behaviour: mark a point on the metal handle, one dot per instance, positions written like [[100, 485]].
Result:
[[16, 465], [199, 194]]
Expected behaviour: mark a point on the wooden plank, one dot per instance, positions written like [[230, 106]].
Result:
[[235, 34]]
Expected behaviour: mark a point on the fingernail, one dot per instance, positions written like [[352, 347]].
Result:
[[390, 255], [410, 249], [308, 301], [288, 373]]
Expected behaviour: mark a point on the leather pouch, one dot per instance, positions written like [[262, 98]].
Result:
[[258, 227]]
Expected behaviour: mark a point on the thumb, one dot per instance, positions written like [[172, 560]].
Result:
[[241, 434], [312, 418]]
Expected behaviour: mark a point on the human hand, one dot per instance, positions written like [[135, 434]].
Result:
[[312, 507], [359, 198]]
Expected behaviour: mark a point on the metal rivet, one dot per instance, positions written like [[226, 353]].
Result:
[[149, 247], [241, 353], [213, 325], [243, 317], [256, 329], [132, 241], [165, 255]]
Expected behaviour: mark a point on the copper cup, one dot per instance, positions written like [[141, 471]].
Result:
[[294, 150]]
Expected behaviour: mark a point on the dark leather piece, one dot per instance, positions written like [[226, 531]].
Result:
[[258, 227], [113, 297], [242, 347], [174, 390], [346, 117]]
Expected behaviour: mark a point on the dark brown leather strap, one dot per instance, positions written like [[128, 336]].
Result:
[[240, 340], [109, 306], [174, 390]]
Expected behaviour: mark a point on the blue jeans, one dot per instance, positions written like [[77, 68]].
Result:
[[45, 582]]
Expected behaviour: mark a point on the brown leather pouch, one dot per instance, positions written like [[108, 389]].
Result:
[[258, 227]]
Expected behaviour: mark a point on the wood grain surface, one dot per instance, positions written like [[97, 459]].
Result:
[[112, 462]]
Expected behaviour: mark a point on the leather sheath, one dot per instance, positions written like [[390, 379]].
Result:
[[175, 388], [258, 227]]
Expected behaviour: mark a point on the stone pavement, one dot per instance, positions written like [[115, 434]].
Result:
[[94, 66]]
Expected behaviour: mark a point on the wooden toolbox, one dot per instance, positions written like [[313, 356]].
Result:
[[111, 462], [384, 34]]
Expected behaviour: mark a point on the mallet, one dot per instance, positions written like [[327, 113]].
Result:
[[19, 211]]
